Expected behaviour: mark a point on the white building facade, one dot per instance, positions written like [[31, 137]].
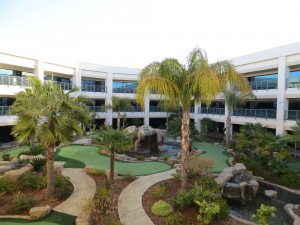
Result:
[[273, 74]]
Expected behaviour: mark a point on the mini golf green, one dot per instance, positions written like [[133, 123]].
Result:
[[54, 218], [14, 152], [78, 156]]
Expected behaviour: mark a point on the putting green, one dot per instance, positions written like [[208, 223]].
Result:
[[77, 156], [54, 218], [14, 152]]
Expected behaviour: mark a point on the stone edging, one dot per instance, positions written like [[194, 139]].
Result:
[[289, 209], [242, 221]]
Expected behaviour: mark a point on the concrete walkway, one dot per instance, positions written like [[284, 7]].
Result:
[[130, 207], [84, 189]]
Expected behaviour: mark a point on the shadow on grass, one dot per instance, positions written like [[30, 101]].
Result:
[[53, 218], [70, 163]]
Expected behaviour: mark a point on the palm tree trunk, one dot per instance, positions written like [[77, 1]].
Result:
[[50, 172], [118, 121], [228, 132], [185, 142], [112, 166]]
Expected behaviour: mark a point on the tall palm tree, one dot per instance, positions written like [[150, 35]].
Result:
[[112, 140], [56, 117], [120, 105], [236, 90], [179, 84]]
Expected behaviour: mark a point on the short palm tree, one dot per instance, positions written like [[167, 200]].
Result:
[[54, 118], [294, 138], [179, 84], [120, 105], [112, 140]]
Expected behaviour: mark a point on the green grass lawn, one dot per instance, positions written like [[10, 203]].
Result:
[[217, 153], [54, 218], [14, 152], [77, 156]]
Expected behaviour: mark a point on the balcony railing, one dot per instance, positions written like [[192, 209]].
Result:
[[293, 82], [14, 81], [264, 84], [64, 85], [134, 109], [123, 90], [256, 113], [93, 88], [292, 114], [97, 109], [211, 110], [155, 109], [4, 110]]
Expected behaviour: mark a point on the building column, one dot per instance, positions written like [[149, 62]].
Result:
[[282, 102], [77, 80], [147, 111], [39, 70], [109, 94]]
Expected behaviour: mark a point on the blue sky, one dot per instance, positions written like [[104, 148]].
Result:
[[134, 33]]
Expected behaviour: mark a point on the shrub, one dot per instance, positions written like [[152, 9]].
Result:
[[38, 163], [206, 211], [165, 184], [183, 198], [224, 209], [166, 157], [158, 192], [95, 171], [290, 179], [129, 177], [161, 208], [175, 219], [8, 186], [32, 180], [104, 199], [21, 203], [63, 187], [6, 157], [111, 220], [199, 166], [140, 158], [33, 151], [263, 214]]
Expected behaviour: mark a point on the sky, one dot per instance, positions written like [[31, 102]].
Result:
[[134, 33]]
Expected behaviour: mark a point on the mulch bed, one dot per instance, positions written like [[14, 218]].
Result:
[[189, 213]]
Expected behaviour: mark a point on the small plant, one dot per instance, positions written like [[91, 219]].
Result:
[[32, 180], [104, 199], [263, 214], [175, 219], [38, 163], [33, 151], [199, 166], [183, 198], [165, 184], [206, 211], [63, 187], [7, 186], [290, 179], [6, 157], [96, 172], [161, 208], [21, 203], [111, 220], [129, 177], [166, 157], [140, 158], [158, 192]]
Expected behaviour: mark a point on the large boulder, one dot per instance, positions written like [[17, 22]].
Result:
[[4, 169], [58, 167], [39, 212]]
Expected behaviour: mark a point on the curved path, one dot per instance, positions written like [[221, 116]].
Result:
[[130, 207], [84, 189]]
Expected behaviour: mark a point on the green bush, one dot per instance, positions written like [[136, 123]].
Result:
[[175, 219], [140, 158], [8, 186], [129, 177], [166, 157], [165, 184], [32, 180], [290, 179], [111, 220], [161, 208], [6, 157], [21, 203], [38, 163], [183, 198], [224, 209], [206, 211], [263, 214], [63, 187], [104, 199], [158, 192]]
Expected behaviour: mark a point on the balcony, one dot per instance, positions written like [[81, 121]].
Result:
[[14, 81], [211, 110], [135, 109], [97, 109], [256, 113], [293, 82], [123, 90], [93, 88], [64, 85], [155, 109], [4, 110], [264, 84], [292, 114]]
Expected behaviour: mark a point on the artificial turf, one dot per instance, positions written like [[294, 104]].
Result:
[[14, 152], [54, 218], [77, 156]]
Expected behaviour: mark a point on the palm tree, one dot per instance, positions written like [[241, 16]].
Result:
[[295, 136], [179, 84], [112, 140], [169, 108], [236, 90], [120, 105], [55, 117]]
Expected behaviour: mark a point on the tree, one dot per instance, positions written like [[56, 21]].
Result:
[[112, 140], [54, 118], [235, 89], [294, 138], [120, 105], [179, 84], [169, 108]]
